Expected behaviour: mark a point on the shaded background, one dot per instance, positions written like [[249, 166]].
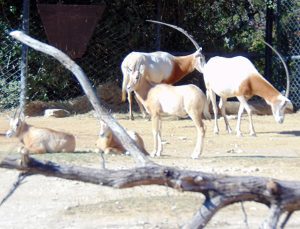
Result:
[[224, 28]]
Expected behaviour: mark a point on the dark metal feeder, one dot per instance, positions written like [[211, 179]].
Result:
[[70, 27]]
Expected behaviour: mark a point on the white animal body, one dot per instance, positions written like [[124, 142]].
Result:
[[40, 140], [186, 100], [237, 77], [108, 142], [158, 67]]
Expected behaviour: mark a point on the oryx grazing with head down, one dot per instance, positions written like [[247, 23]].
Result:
[[37, 139], [238, 77], [158, 99], [159, 67]]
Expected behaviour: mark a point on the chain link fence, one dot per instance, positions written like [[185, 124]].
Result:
[[121, 30], [10, 55], [289, 41]]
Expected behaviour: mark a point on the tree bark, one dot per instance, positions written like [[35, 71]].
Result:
[[219, 190], [102, 114]]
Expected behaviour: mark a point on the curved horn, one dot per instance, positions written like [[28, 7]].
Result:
[[16, 112], [180, 30], [285, 68]]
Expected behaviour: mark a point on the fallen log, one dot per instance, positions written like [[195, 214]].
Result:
[[219, 190]]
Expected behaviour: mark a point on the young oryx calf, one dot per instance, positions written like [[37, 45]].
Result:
[[39, 140], [173, 100], [108, 142]]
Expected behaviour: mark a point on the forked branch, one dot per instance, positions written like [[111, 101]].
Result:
[[219, 190], [102, 114]]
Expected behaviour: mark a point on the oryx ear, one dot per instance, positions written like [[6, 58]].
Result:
[[142, 69], [8, 117], [287, 104], [22, 116], [198, 52]]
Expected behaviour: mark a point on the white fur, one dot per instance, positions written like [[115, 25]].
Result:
[[224, 76], [155, 67], [173, 100]]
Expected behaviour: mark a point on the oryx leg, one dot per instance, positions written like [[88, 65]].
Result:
[[129, 97], [156, 131], [238, 125], [213, 100], [222, 107], [142, 109], [246, 106], [196, 116]]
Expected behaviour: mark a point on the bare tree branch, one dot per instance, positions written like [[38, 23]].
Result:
[[14, 187], [272, 221], [102, 114], [219, 190], [289, 214]]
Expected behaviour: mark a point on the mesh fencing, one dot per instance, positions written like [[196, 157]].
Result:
[[112, 40], [9, 72], [289, 42]]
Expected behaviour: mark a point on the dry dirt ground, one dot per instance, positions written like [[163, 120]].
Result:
[[47, 202]]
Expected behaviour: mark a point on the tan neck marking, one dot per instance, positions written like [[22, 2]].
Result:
[[257, 85]]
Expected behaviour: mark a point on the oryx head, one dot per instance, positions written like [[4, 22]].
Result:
[[16, 123], [130, 68], [135, 74], [200, 60], [104, 130], [278, 108]]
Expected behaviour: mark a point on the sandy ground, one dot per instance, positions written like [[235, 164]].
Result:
[[47, 202]]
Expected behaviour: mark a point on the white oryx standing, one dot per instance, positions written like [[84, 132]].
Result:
[[159, 67], [237, 77]]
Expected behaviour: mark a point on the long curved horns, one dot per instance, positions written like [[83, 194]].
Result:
[[17, 112], [180, 30], [285, 68]]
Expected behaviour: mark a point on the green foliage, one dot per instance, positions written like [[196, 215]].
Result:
[[9, 96], [9, 63], [220, 27]]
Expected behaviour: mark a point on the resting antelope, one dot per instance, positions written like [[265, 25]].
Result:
[[237, 77], [161, 99], [39, 140], [108, 142], [159, 67]]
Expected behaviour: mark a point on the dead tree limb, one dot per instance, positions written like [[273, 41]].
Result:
[[219, 190], [102, 114], [18, 182]]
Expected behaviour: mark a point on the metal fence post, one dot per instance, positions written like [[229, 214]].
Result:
[[269, 29], [24, 58]]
